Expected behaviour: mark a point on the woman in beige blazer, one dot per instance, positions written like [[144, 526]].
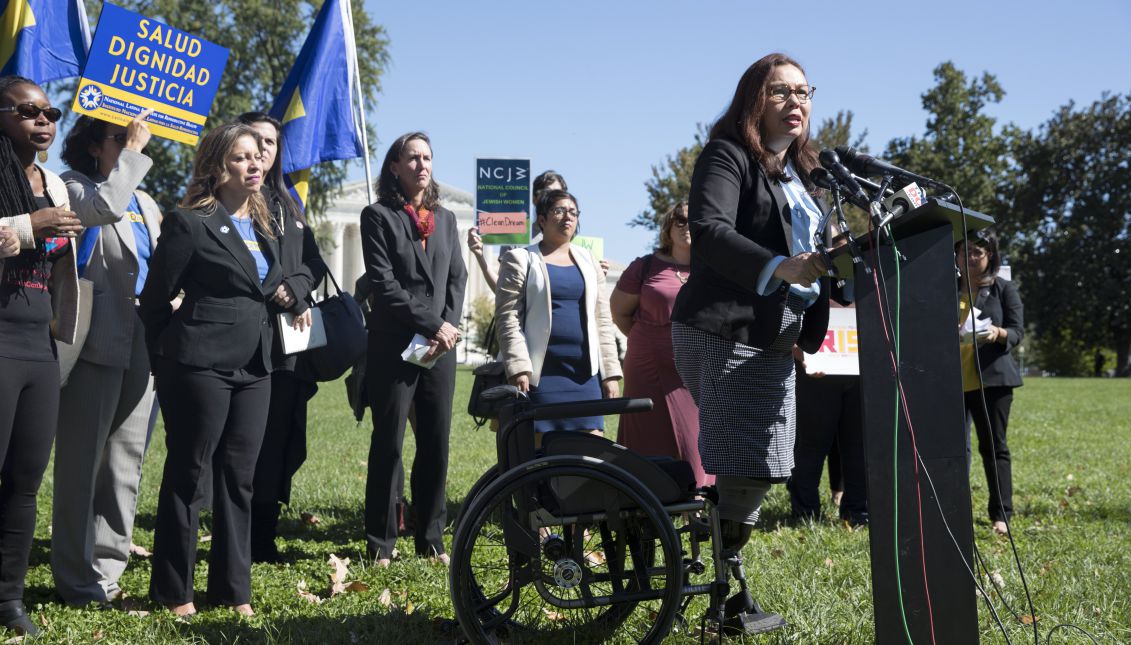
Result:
[[38, 301], [555, 331], [107, 409]]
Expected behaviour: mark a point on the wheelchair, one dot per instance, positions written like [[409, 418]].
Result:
[[582, 540]]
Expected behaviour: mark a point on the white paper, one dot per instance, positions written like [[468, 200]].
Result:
[[974, 324], [295, 341], [417, 348]]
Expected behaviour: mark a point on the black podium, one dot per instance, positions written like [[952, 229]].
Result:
[[930, 369]]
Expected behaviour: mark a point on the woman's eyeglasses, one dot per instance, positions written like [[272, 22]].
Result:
[[780, 93], [32, 111], [679, 222], [562, 211]]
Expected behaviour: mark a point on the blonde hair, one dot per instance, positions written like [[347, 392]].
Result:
[[209, 171], [666, 223]]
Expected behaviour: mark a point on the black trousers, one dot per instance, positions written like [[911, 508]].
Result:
[[284, 441], [828, 412], [214, 422], [29, 411], [393, 386], [993, 448]]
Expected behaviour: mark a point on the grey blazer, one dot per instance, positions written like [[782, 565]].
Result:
[[113, 264]]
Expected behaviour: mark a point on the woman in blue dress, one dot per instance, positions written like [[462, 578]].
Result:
[[555, 330]]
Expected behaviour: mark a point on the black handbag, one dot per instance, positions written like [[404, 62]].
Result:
[[346, 337], [486, 376]]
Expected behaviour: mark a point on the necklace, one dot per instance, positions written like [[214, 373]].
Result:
[[682, 276]]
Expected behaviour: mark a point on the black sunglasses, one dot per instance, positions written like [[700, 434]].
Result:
[[32, 111]]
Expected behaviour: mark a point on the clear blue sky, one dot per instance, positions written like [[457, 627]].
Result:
[[601, 91]]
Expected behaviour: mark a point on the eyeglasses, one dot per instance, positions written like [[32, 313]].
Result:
[[679, 222], [562, 211], [780, 93], [32, 111], [119, 138]]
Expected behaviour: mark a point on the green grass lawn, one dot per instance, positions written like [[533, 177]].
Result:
[[1071, 441]]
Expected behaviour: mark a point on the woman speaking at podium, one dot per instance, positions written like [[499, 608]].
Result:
[[754, 290]]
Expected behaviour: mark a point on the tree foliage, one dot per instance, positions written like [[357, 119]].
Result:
[[960, 145], [264, 38], [837, 131], [1071, 221]]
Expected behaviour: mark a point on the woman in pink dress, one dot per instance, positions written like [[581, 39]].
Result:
[[642, 305]]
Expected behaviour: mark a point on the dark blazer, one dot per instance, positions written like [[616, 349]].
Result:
[[302, 269], [223, 319], [1001, 303], [740, 220], [412, 290]]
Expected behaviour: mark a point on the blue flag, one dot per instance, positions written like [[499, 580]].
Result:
[[317, 105], [44, 40]]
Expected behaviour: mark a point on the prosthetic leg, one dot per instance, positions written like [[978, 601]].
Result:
[[742, 614]]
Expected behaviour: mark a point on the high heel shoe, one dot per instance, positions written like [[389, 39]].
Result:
[[13, 616]]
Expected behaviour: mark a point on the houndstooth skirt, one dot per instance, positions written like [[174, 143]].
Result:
[[747, 419]]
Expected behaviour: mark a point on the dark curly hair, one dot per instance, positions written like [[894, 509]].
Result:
[[389, 190], [15, 191], [76, 147]]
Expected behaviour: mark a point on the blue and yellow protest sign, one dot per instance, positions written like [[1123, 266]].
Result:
[[502, 200], [136, 62]]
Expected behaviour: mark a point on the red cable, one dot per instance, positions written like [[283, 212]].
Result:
[[911, 431]]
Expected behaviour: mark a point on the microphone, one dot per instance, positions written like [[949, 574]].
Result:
[[869, 165], [821, 178], [905, 199], [854, 192]]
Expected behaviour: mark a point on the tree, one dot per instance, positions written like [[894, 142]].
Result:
[[264, 39], [671, 179], [1071, 221], [960, 146]]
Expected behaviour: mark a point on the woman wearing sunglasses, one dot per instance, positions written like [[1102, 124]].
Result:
[[107, 409], [38, 305], [641, 305]]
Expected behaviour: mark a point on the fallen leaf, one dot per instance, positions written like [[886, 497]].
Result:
[[386, 598], [13, 640], [829, 562], [206, 538], [306, 595], [998, 580], [310, 519], [98, 635], [402, 595], [137, 613], [1071, 490], [139, 551], [1029, 620], [1070, 477], [1096, 611], [408, 609], [43, 620], [357, 586], [340, 568], [777, 553], [1064, 503]]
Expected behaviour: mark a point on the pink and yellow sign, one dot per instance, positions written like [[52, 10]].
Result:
[[839, 354]]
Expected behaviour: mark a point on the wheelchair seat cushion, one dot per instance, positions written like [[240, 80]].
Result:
[[671, 480]]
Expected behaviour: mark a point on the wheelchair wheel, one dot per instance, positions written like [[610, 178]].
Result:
[[480, 484], [566, 549]]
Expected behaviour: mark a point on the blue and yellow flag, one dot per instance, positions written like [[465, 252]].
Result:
[[317, 104], [44, 40]]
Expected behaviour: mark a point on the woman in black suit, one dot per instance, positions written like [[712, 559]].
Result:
[[213, 365], [417, 277], [998, 301], [284, 442], [754, 290]]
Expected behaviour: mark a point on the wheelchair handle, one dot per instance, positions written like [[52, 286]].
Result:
[[599, 407]]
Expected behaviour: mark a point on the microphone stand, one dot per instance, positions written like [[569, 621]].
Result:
[[881, 216], [819, 243]]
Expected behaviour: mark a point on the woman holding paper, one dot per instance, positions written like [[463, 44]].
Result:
[[284, 442], [416, 275], [38, 306], [107, 409], [213, 364], [997, 302], [555, 330]]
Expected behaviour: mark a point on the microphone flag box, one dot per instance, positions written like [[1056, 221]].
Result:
[[502, 200], [137, 62]]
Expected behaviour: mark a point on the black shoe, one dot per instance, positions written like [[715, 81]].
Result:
[[13, 616]]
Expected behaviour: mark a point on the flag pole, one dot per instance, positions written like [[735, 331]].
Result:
[[356, 80]]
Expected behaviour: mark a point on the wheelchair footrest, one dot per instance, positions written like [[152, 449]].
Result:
[[754, 623]]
